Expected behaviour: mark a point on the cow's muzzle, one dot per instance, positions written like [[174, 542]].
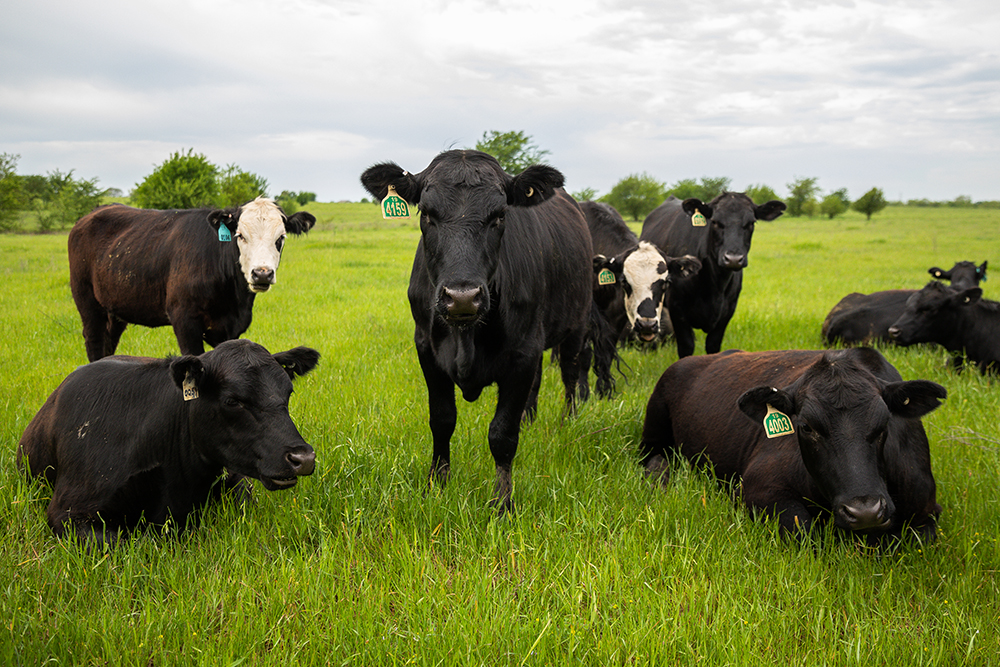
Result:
[[261, 279], [302, 462], [461, 306], [733, 261], [646, 328], [865, 513]]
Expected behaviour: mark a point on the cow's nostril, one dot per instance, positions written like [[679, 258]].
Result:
[[303, 463]]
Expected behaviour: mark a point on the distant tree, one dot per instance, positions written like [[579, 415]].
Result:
[[802, 192], [304, 198], [713, 187], [835, 203], [513, 150], [870, 202], [961, 201], [184, 180], [11, 193], [288, 202], [760, 194], [67, 200], [237, 187], [684, 189], [636, 195], [585, 194], [707, 190]]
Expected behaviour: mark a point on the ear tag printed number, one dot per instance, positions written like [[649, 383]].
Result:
[[777, 423], [698, 220], [606, 277], [394, 206], [189, 388], [224, 234]]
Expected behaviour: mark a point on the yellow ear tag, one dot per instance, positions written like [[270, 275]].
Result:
[[698, 220], [606, 277], [394, 206], [190, 390], [777, 423]]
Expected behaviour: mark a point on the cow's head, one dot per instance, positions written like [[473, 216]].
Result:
[[730, 219], [463, 197], [644, 274], [259, 229], [931, 314], [842, 415], [962, 275], [238, 409]]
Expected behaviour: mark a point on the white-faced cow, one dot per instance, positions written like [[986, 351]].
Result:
[[502, 272], [866, 318], [131, 441], [634, 302], [197, 270], [718, 234], [805, 433], [959, 320]]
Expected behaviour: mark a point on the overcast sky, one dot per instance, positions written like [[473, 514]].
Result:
[[898, 94]]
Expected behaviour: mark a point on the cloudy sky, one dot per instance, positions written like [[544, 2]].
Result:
[[898, 94]]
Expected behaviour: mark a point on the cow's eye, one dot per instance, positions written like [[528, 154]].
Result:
[[807, 429], [233, 403], [238, 236], [280, 243]]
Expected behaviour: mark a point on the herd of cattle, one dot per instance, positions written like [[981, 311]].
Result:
[[506, 268]]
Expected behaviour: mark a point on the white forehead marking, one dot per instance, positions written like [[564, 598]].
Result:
[[260, 226], [642, 268]]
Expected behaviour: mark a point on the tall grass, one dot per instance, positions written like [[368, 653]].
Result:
[[362, 563]]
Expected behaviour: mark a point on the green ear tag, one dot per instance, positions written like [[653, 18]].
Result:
[[224, 234], [698, 220], [777, 423], [606, 277], [190, 390], [394, 206]]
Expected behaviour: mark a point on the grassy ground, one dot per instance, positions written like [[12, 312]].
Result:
[[362, 564]]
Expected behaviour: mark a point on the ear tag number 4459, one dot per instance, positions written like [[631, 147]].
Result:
[[394, 206], [777, 423]]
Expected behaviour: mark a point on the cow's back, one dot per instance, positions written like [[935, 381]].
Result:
[[669, 228], [609, 233], [862, 318]]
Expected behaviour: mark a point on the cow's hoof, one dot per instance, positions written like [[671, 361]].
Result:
[[657, 470]]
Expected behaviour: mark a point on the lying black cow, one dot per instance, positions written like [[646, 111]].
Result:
[[866, 318], [858, 449], [127, 441], [718, 234], [633, 302], [959, 320], [197, 270], [502, 272]]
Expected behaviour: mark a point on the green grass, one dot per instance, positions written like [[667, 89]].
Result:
[[363, 564]]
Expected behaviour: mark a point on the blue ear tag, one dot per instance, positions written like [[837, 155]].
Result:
[[224, 234]]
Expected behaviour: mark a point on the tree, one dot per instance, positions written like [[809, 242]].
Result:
[[802, 197], [237, 187], [870, 202], [707, 190], [760, 194], [585, 194], [713, 187], [11, 194], [835, 203], [65, 200], [304, 198], [636, 195], [513, 150], [182, 181]]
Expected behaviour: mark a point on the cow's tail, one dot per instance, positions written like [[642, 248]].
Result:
[[603, 339]]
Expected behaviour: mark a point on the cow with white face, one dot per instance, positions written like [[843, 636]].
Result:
[[197, 270], [632, 277]]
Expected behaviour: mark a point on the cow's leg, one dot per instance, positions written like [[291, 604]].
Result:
[[115, 329], [95, 318], [583, 381], [713, 338], [684, 335], [189, 332], [443, 414], [512, 397], [570, 353], [657, 439], [531, 405]]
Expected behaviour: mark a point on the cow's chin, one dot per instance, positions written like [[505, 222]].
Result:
[[647, 337], [257, 288], [277, 484]]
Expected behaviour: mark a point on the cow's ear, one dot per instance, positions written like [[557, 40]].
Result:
[[300, 223], [377, 180], [694, 204], [967, 297], [939, 273], [982, 271], [914, 398], [683, 267], [227, 216], [188, 366], [753, 403], [534, 185], [612, 264], [770, 210], [297, 361]]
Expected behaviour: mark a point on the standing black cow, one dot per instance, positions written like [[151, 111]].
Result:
[[634, 301], [718, 234], [502, 272], [959, 320], [865, 318], [197, 270], [125, 441], [846, 436]]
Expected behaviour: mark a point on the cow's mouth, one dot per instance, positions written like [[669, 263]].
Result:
[[278, 483], [257, 288], [648, 337]]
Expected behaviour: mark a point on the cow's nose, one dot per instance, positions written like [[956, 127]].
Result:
[[734, 261], [303, 463], [894, 332], [462, 304], [262, 275], [865, 513], [646, 328]]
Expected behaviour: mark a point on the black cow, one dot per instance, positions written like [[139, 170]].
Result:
[[719, 235], [130, 441], [858, 449], [502, 272], [634, 301], [865, 318], [959, 320], [179, 267]]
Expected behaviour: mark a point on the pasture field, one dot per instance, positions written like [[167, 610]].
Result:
[[362, 564]]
